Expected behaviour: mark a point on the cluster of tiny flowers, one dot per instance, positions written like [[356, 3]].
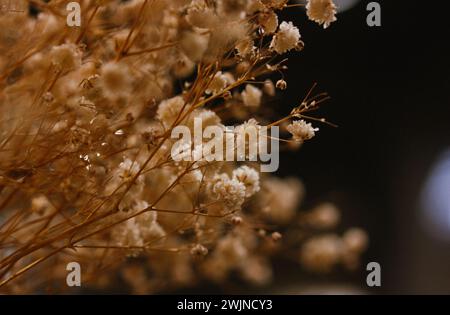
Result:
[[287, 38], [301, 130], [321, 11], [87, 170]]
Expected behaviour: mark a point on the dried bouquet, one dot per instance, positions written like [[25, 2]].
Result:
[[88, 172]]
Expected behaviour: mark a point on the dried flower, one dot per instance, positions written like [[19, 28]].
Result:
[[355, 240], [251, 96], [321, 11], [169, 110], [199, 250], [321, 253], [249, 177], [230, 191], [324, 216], [301, 130], [236, 220], [281, 84], [287, 38], [269, 22], [279, 199], [218, 83], [66, 56], [269, 88], [276, 236]]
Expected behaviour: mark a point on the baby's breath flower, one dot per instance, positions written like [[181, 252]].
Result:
[[250, 129], [279, 199], [249, 177], [301, 130], [245, 47], [321, 253], [183, 67], [355, 240], [321, 11], [66, 56], [269, 88], [251, 96], [208, 117], [41, 205], [230, 191], [232, 8], [128, 169], [128, 233], [199, 14], [276, 236], [194, 45], [169, 110], [254, 6], [324, 216], [199, 250], [287, 38], [236, 220], [268, 22], [232, 249], [218, 83]]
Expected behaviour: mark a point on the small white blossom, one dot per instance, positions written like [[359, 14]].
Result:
[[169, 110], [128, 168], [269, 22], [251, 96], [269, 88], [199, 250], [249, 177], [301, 130], [355, 240], [287, 38], [218, 83], [321, 253], [230, 191], [321, 11]]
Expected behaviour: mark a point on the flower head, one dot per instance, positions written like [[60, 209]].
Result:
[[321, 11], [301, 130], [287, 38]]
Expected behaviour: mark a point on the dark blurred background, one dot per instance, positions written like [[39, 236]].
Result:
[[387, 165]]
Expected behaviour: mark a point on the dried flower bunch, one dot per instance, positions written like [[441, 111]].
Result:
[[86, 174]]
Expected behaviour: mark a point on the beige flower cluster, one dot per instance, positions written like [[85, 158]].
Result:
[[321, 11], [86, 172]]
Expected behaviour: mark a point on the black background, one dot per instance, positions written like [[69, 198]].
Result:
[[389, 88]]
